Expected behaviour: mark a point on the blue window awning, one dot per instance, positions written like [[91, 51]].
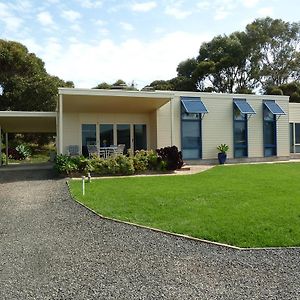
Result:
[[274, 108], [244, 106], [193, 105]]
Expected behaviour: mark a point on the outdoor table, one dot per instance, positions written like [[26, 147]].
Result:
[[107, 151]]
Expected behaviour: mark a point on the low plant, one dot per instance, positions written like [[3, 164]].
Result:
[[3, 158], [141, 160], [24, 151], [65, 164], [171, 156], [223, 148]]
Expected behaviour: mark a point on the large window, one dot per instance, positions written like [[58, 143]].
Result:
[[240, 133], [88, 132], [140, 136], [295, 137], [106, 135], [123, 135], [190, 135], [270, 145]]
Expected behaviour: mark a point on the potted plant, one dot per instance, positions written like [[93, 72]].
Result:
[[223, 148]]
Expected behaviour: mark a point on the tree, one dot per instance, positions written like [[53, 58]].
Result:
[[119, 84], [291, 89], [275, 45], [24, 81], [265, 55]]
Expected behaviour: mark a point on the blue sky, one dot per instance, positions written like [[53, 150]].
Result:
[[136, 40]]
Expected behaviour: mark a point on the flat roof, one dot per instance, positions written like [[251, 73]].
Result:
[[162, 94], [28, 121]]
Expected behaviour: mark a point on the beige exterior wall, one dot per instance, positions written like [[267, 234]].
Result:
[[153, 130], [72, 126], [294, 112], [163, 116], [71, 130], [283, 133], [217, 125]]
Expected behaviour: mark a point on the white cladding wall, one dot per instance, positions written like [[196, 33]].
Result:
[[72, 125], [294, 114], [217, 125]]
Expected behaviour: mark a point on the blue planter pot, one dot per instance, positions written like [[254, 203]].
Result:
[[222, 158]]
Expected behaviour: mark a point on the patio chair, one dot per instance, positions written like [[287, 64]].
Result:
[[73, 150], [93, 150], [120, 149]]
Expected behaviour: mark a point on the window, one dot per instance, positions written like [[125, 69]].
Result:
[[88, 132], [240, 133], [192, 110], [271, 111], [123, 135], [140, 136], [295, 137], [270, 147], [106, 135], [241, 110]]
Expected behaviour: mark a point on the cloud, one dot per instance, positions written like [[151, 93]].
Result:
[[45, 18], [141, 61], [71, 15], [12, 22], [250, 3], [221, 14], [265, 11], [177, 11], [143, 6], [204, 5], [126, 26], [90, 3]]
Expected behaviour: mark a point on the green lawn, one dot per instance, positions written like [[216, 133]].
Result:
[[244, 205]]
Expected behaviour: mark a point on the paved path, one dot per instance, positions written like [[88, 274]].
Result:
[[52, 248]]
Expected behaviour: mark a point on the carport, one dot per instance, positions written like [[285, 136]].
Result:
[[25, 122]]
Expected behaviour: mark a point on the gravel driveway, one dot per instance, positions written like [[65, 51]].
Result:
[[52, 248]]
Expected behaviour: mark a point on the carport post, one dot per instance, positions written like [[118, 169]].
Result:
[[60, 125], [6, 147], [0, 146]]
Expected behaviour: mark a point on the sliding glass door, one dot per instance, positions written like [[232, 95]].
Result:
[[140, 136], [123, 135]]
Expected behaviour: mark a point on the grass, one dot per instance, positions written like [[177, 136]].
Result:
[[244, 205]]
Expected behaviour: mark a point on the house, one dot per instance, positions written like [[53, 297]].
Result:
[[256, 127]]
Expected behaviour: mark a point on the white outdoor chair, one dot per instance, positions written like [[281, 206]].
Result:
[[120, 149], [73, 150], [93, 150]]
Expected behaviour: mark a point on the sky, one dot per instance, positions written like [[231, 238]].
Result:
[[138, 41]]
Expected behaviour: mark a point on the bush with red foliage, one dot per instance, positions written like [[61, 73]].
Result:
[[171, 156]]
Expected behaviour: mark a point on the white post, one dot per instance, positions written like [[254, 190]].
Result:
[[0, 146], [6, 147], [60, 124], [83, 185], [172, 121]]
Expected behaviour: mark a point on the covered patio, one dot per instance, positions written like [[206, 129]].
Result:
[[109, 118], [24, 122]]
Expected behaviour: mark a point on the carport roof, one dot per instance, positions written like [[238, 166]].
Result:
[[28, 121]]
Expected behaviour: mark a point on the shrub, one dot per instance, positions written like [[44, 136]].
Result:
[[114, 165], [3, 158], [171, 156], [65, 164], [141, 161], [24, 151]]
